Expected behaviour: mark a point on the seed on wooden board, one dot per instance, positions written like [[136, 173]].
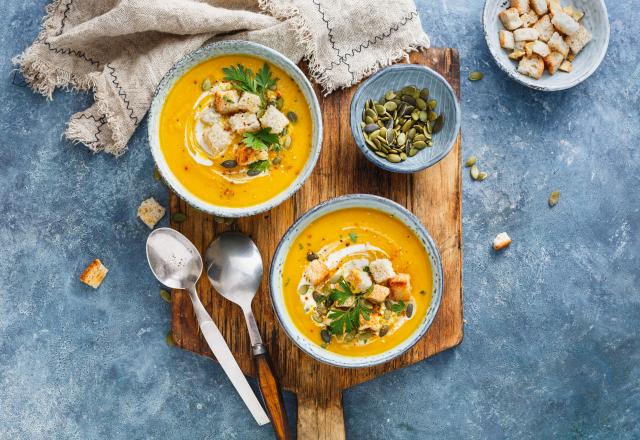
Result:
[[156, 175], [409, 310], [178, 217], [169, 339], [475, 75], [165, 295], [326, 337], [475, 172], [553, 198], [471, 161]]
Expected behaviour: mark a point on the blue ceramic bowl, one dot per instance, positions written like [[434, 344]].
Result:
[[232, 47], [276, 288], [394, 78]]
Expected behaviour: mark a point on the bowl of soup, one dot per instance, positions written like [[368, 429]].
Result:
[[356, 281], [235, 128]]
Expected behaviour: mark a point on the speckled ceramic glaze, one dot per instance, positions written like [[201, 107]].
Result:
[[397, 77], [586, 62], [205, 53], [345, 202]]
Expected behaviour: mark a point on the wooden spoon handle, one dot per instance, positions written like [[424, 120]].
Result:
[[272, 395]]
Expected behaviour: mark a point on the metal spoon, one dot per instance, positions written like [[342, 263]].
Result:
[[234, 267], [176, 263]]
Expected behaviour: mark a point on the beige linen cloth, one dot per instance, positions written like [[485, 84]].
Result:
[[120, 49]]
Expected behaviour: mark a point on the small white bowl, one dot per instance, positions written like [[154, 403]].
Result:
[[586, 62]]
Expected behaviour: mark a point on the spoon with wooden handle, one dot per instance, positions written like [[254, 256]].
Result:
[[234, 267]]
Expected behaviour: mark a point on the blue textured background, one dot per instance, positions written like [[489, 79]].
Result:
[[551, 348]]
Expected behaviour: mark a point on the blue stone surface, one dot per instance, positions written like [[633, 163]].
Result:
[[551, 348]]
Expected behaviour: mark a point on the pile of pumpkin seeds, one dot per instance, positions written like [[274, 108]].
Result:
[[401, 123]]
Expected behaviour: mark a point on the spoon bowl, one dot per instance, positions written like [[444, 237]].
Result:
[[173, 259]]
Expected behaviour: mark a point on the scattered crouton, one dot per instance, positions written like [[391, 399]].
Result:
[[150, 212], [274, 119], [506, 39], [540, 48], [544, 27], [244, 122], [381, 270], [217, 138], [565, 23], [526, 34], [510, 18], [521, 5], [519, 45], [531, 66], [556, 43], [501, 241], [378, 294], [579, 40], [539, 6], [400, 287], [209, 116], [553, 61], [316, 272], [249, 102], [226, 101], [528, 49], [359, 280], [94, 274], [529, 18], [516, 54], [566, 66], [246, 155]]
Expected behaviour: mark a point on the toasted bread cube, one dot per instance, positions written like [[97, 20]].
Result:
[[244, 122], [579, 40], [209, 116], [576, 14], [506, 39], [378, 294], [316, 272], [246, 155], [555, 7], [566, 66], [381, 270], [528, 49], [359, 280], [571, 56], [553, 61], [510, 18], [249, 102], [94, 274], [501, 241], [519, 45], [516, 54], [274, 119], [526, 34], [521, 5], [226, 101], [531, 66], [400, 287], [557, 44], [565, 24], [528, 19], [539, 6], [217, 138], [150, 212], [544, 27], [540, 48]]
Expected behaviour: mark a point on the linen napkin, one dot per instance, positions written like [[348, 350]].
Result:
[[120, 49]]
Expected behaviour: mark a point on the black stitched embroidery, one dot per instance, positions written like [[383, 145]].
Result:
[[329, 28], [121, 93], [65, 16], [102, 121]]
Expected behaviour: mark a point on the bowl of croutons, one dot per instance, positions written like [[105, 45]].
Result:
[[547, 45]]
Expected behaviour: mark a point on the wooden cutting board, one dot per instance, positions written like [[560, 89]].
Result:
[[434, 195]]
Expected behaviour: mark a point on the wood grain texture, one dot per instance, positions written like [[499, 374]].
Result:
[[433, 195]]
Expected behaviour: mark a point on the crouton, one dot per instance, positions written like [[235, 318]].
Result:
[[378, 294], [400, 287], [566, 66], [526, 34], [506, 39], [226, 101], [528, 48], [209, 116], [531, 66], [553, 61], [571, 56], [579, 40], [244, 122], [381, 270], [565, 24], [274, 119], [316, 272], [557, 44], [501, 241], [220, 86], [529, 18], [540, 48], [575, 13], [521, 5], [150, 212], [519, 45], [249, 102], [539, 6], [94, 274], [510, 18], [545, 28], [217, 138], [555, 7], [359, 280], [516, 54], [246, 155]]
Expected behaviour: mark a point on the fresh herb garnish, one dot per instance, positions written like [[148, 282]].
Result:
[[244, 79], [341, 296], [264, 81], [397, 307], [261, 140], [349, 320], [353, 236], [257, 167]]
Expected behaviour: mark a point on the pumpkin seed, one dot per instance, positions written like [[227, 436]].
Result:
[[206, 84], [420, 145], [318, 297], [325, 335], [169, 339], [391, 136], [279, 103], [409, 100], [471, 161], [378, 153], [433, 104], [553, 198], [415, 115], [424, 93], [421, 103], [393, 158], [229, 163], [423, 116], [156, 175], [372, 114], [165, 295], [402, 138], [409, 90], [178, 217], [390, 106], [389, 95], [368, 120], [411, 133], [383, 330], [475, 75], [482, 175], [386, 314], [475, 172], [413, 152], [312, 256], [317, 318], [438, 123], [432, 116], [409, 310], [380, 110], [287, 142], [276, 160], [407, 125], [370, 128], [403, 156], [292, 117]]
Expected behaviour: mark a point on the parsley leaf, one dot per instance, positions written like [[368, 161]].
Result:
[[349, 320], [264, 80], [341, 296], [397, 307], [241, 77], [353, 236], [261, 140], [259, 166]]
